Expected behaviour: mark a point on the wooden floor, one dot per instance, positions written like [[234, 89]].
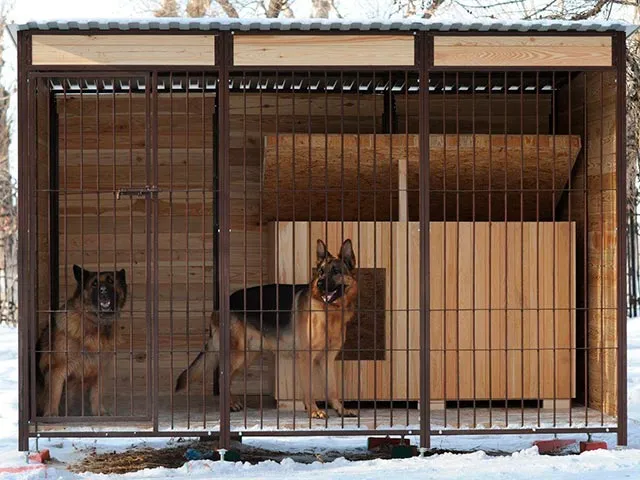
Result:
[[191, 417]]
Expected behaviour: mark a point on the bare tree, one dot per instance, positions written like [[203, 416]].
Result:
[[168, 8]]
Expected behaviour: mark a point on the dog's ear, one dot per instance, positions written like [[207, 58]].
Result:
[[121, 276], [321, 251], [347, 255], [81, 275]]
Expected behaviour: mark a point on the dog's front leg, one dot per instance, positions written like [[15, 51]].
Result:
[[332, 381], [53, 389], [305, 379]]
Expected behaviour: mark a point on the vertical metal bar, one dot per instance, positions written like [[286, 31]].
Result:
[[425, 392], [522, 383], [572, 268], [116, 326], [261, 143], [98, 230], [326, 235], [187, 257], [375, 249], [445, 309], [310, 194], [244, 223], [131, 249], [342, 202], [26, 331], [391, 130], [358, 203], [621, 188], [585, 246], [82, 316], [553, 248], [293, 237], [225, 227], [489, 269], [171, 234], [457, 275], [538, 336], [473, 252], [602, 351], [66, 229], [152, 243], [505, 88], [203, 227], [409, 311]]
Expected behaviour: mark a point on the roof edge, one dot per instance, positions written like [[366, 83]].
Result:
[[316, 24]]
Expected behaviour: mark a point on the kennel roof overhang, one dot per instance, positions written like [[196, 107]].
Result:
[[313, 24]]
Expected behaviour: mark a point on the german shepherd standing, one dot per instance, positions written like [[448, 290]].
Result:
[[87, 325], [321, 311]]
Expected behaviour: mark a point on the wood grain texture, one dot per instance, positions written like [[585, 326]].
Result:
[[502, 306], [323, 50], [362, 175], [593, 208], [123, 50], [521, 51]]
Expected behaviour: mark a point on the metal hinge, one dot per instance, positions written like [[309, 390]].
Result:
[[136, 191]]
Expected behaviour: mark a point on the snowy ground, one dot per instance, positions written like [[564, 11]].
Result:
[[524, 463]]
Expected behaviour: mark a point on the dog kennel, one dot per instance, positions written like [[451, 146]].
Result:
[[479, 171]]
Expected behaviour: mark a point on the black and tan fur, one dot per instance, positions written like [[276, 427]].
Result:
[[85, 323], [320, 310]]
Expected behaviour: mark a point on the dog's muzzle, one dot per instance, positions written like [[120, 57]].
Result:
[[105, 299]]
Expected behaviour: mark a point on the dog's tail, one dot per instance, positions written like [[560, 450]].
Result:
[[206, 360]]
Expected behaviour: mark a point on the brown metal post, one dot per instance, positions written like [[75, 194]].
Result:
[[224, 236], [26, 120], [425, 363], [621, 210]]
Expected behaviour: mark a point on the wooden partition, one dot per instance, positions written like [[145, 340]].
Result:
[[502, 307]]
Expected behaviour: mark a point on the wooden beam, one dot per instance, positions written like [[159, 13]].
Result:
[[123, 50], [323, 50], [522, 51]]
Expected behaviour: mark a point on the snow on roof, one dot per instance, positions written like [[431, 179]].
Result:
[[316, 24]]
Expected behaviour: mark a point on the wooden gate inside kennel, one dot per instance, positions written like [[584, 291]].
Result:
[[481, 193]]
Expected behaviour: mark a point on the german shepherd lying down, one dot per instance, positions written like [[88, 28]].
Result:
[[320, 311], [96, 303]]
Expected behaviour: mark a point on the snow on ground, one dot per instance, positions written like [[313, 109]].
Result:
[[524, 463]]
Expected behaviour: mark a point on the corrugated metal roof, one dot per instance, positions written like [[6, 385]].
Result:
[[315, 24]]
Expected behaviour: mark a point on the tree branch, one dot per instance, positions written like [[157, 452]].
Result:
[[228, 8], [430, 11]]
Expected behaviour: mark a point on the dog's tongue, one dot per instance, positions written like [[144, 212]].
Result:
[[327, 297]]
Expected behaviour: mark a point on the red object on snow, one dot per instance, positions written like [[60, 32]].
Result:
[[592, 445], [43, 456], [553, 446]]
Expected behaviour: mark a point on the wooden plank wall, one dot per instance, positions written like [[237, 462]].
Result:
[[518, 277], [594, 203], [185, 152]]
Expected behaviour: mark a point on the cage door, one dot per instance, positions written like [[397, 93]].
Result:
[[91, 345]]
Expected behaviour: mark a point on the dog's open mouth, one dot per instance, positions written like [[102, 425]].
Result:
[[105, 305], [331, 296]]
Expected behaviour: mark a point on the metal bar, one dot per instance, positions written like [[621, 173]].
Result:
[[425, 363], [317, 433], [224, 244], [621, 208], [155, 349], [26, 332]]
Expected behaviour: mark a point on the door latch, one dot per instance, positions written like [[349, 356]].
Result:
[[136, 191]]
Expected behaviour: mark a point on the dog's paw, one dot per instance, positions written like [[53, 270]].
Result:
[[236, 404], [347, 412], [319, 414]]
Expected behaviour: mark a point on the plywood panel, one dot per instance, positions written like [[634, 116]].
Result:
[[123, 49], [323, 50], [366, 168], [502, 307], [522, 51]]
